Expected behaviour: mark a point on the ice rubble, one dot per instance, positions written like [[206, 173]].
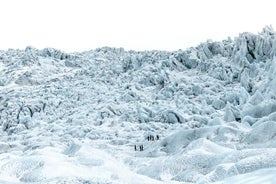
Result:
[[214, 107]]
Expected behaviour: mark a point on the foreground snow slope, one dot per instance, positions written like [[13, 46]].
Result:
[[75, 118]]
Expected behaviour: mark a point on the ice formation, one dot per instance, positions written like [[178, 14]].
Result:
[[75, 117]]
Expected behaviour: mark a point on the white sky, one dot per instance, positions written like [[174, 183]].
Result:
[[78, 25]]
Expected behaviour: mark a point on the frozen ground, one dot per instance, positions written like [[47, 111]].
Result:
[[75, 118]]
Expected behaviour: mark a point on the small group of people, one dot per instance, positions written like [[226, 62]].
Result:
[[152, 138], [149, 138], [141, 148]]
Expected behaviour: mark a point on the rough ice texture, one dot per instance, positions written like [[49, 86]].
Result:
[[213, 106]]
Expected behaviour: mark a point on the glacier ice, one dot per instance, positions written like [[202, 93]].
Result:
[[213, 107]]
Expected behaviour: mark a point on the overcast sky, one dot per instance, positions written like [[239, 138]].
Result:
[[78, 25]]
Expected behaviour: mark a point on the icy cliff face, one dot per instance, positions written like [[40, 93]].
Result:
[[213, 107]]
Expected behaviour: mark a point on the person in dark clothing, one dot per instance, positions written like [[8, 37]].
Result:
[[148, 138], [135, 148], [157, 137], [141, 148]]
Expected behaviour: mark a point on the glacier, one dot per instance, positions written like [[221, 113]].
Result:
[[76, 117]]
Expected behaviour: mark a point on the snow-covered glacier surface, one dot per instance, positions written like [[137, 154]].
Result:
[[76, 117]]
